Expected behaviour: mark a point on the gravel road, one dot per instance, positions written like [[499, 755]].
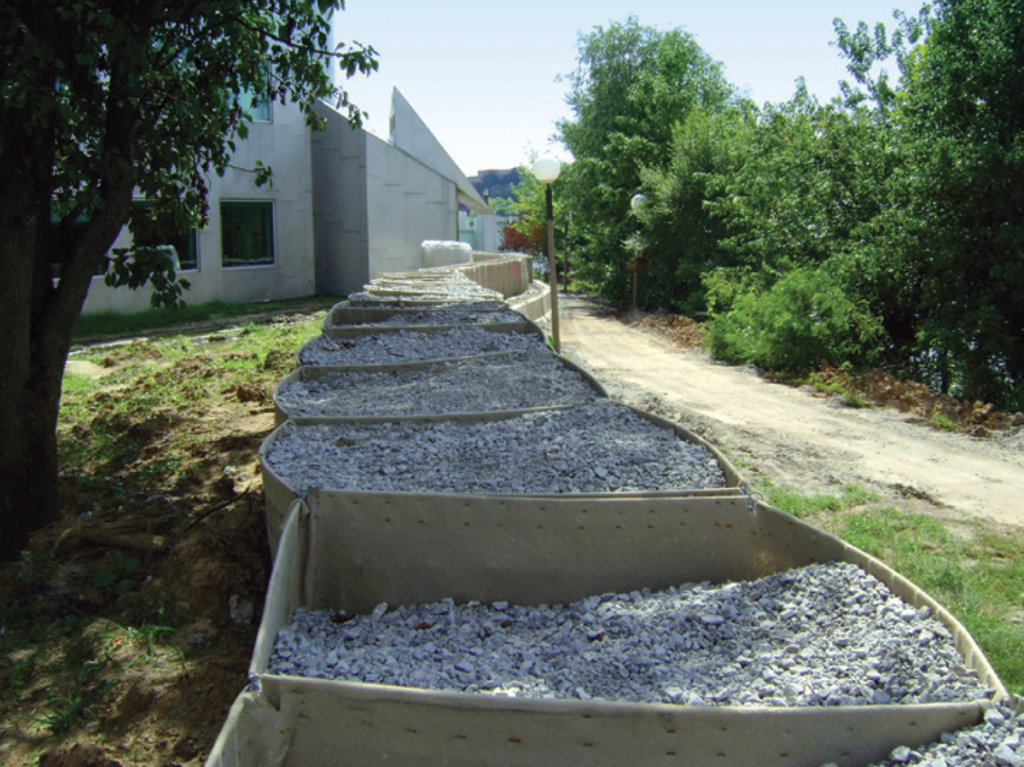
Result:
[[793, 438]]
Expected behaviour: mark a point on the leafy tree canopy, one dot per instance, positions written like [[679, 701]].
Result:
[[103, 100], [632, 85]]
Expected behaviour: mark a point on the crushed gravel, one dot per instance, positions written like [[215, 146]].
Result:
[[411, 346], [470, 313], [451, 286], [599, 447], [530, 378], [822, 635], [997, 742]]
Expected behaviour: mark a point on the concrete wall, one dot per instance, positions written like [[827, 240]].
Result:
[[410, 134], [408, 203], [374, 206], [283, 144], [340, 206]]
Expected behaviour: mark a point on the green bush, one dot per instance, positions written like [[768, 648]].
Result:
[[805, 317]]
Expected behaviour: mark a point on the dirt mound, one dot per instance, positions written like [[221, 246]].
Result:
[[677, 328], [941, 411]]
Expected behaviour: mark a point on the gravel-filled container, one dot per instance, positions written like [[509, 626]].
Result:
[[348, 320], [418, 345], [501, 552], [444, 284], [529, 379], [596, 449]]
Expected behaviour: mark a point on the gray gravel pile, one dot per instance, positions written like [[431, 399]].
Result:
[[997, 742], [531, 378], [823, 635], [599, 447], [454, 286], [410, 346], [470, 313]]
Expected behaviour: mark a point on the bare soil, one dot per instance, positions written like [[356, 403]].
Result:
[[146, 677], [807, 437]]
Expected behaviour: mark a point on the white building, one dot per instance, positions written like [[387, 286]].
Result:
[[344, 207]]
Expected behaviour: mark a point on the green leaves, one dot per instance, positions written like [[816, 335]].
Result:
[[119, 578], [806, 317], [143, 97], [632, 84]]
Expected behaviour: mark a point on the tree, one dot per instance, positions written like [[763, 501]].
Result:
[[679, 236], [952, 238], [631, 86], [104, 100]]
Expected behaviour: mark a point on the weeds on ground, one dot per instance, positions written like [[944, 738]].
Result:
[[836, 387], [942, 422], [804, 505], [146, 448]]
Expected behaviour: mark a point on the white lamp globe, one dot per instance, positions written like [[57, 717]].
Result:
[[546, 169], [637, 202]]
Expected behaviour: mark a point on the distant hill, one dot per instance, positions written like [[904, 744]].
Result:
[[496, 183]]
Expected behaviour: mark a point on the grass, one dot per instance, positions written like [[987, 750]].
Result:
[[155, 385], [849, 398], [979, 577], [804, 505], [106, 324], [135, 433], [942, 422]]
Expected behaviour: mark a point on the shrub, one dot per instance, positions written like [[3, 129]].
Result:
[[805, 317]]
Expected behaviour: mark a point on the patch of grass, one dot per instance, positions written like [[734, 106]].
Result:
[[803, 505], [143, 636], [103, 324], [941, 421], [854, 400], [849, 398], [979, 580], [78, 385], [63, 711], [136, 430]]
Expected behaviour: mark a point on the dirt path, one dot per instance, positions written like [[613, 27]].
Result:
[[791, 437]]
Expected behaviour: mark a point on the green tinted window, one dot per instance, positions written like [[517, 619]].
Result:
[[247, 233]]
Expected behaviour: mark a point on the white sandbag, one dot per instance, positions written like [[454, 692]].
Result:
[[446, 252]]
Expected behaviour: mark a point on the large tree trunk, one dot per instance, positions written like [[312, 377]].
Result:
[[39, 320], [34, 343], [23, 461]]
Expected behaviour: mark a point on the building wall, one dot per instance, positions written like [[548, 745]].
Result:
[[408, 203], [283, 144], [374, 205], [340, 206], [347, 207]]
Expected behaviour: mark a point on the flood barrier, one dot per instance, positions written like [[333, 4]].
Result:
[[350, 549], [336, 553]]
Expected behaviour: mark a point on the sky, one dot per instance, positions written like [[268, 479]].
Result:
[[484, 76]]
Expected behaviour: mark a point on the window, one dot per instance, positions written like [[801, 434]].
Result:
[[150, 232], [247, 233], [257, 106]]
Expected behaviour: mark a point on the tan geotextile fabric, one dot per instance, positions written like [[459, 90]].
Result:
[[350, 552]]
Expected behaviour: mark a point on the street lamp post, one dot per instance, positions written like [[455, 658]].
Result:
[[546, 169], [636, 204]]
